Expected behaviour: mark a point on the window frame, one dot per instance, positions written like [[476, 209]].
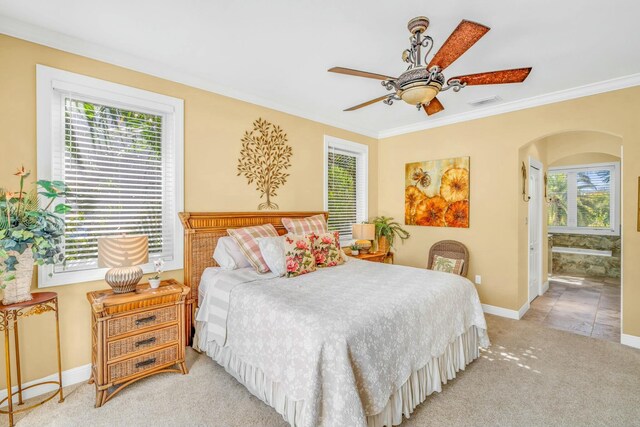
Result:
[[362, 152], [50, 82], [614, 213]]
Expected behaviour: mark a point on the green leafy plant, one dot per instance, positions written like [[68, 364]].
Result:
[[354, 247], [24, 225], [390, 229]]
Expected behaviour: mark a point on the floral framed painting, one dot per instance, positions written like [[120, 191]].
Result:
[[437, 193]]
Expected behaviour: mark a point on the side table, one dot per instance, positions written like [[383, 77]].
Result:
[[42, 302]]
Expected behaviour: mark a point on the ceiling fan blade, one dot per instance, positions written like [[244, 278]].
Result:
[[364, 104], [358, 73], [463, 37], [517, 75], [435, 106]]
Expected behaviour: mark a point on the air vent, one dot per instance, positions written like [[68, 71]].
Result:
[[484, 101]]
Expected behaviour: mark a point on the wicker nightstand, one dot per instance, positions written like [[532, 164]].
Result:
[[375, 257], [135, 335]]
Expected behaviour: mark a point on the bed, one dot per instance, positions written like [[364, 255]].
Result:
[[360, 344]]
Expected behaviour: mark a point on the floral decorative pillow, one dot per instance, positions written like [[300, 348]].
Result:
[[326, 249], [447, 265], [298, 254]]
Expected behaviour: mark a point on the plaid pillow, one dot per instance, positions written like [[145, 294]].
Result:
[[303, 226], [448, 265], [246, 239]]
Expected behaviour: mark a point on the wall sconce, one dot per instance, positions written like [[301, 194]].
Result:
[[546, 197], [524, 184]]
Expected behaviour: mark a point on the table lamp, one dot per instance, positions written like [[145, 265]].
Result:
[[364, 234], [123, 255]]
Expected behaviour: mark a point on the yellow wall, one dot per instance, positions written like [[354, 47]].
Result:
[[214, 125], [585, 159], [497, 237]]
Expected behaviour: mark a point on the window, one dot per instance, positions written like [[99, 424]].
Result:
[[584, 199], [120, 151], [346, 184]]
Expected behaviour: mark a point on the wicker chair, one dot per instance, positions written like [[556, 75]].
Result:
[[450, 249]]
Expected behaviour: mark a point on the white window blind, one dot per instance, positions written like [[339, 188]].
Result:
[[117, 173], [346, 185], [119, 150], [584, 199]]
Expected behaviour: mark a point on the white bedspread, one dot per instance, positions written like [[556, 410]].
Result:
[[344, 339]]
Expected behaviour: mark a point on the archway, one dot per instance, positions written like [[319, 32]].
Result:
[[581, 221]]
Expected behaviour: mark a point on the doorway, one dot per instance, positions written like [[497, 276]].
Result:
[[535, 228]]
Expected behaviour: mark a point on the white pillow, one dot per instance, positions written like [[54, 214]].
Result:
[[272, 250], [228, 254]]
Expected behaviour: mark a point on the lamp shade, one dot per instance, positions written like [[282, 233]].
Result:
[[363, 231], [122, 251]]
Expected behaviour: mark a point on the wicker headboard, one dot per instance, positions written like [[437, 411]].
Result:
[[202, 231]]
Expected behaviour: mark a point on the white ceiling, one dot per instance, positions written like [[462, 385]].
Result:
[[276, 53]]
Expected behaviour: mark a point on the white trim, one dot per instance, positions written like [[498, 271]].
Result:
[[362, 150], [545, 287], [56, 40], [614, 208], [533, 204], [48, 81], [630, 340], [617, 83], [505, 312], [69, 377], [622, 239], [523, 310]]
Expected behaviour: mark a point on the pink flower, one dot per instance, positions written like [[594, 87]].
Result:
[[292, 266], [320, 258], [327, 240], [301, 244], [332, 264]]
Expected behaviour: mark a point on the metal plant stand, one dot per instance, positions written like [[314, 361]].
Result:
[[42, 302]]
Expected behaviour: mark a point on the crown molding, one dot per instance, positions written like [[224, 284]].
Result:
[[53, 39], [521, 104], [56, 40]]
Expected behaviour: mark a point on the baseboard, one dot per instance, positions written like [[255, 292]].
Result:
[[69, 377], [505, 312], [499, 311], [630, 340], [523, 310], [545, 287]]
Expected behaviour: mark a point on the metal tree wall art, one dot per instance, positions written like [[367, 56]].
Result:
[[264, 158]]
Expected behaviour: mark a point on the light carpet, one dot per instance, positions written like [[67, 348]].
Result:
[[532, 375]]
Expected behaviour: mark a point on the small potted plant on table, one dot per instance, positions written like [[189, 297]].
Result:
[[386, 232], [154, 281], [355, 249]]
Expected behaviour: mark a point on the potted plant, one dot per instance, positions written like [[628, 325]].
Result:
[[386, 232], [29, 234], [355, 249], [158, 266]]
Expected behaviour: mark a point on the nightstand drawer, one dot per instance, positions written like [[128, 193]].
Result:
[[122, 325], [142, 363], [140, 342]]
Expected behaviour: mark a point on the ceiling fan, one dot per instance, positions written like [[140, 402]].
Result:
[[421, 82]]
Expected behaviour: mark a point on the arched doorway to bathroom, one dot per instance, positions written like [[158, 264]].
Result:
[[580, 224]]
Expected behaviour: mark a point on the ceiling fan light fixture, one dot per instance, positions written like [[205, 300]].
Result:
[[423, 80], [420, 94]]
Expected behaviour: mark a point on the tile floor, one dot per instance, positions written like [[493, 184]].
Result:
[[585, 306]]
